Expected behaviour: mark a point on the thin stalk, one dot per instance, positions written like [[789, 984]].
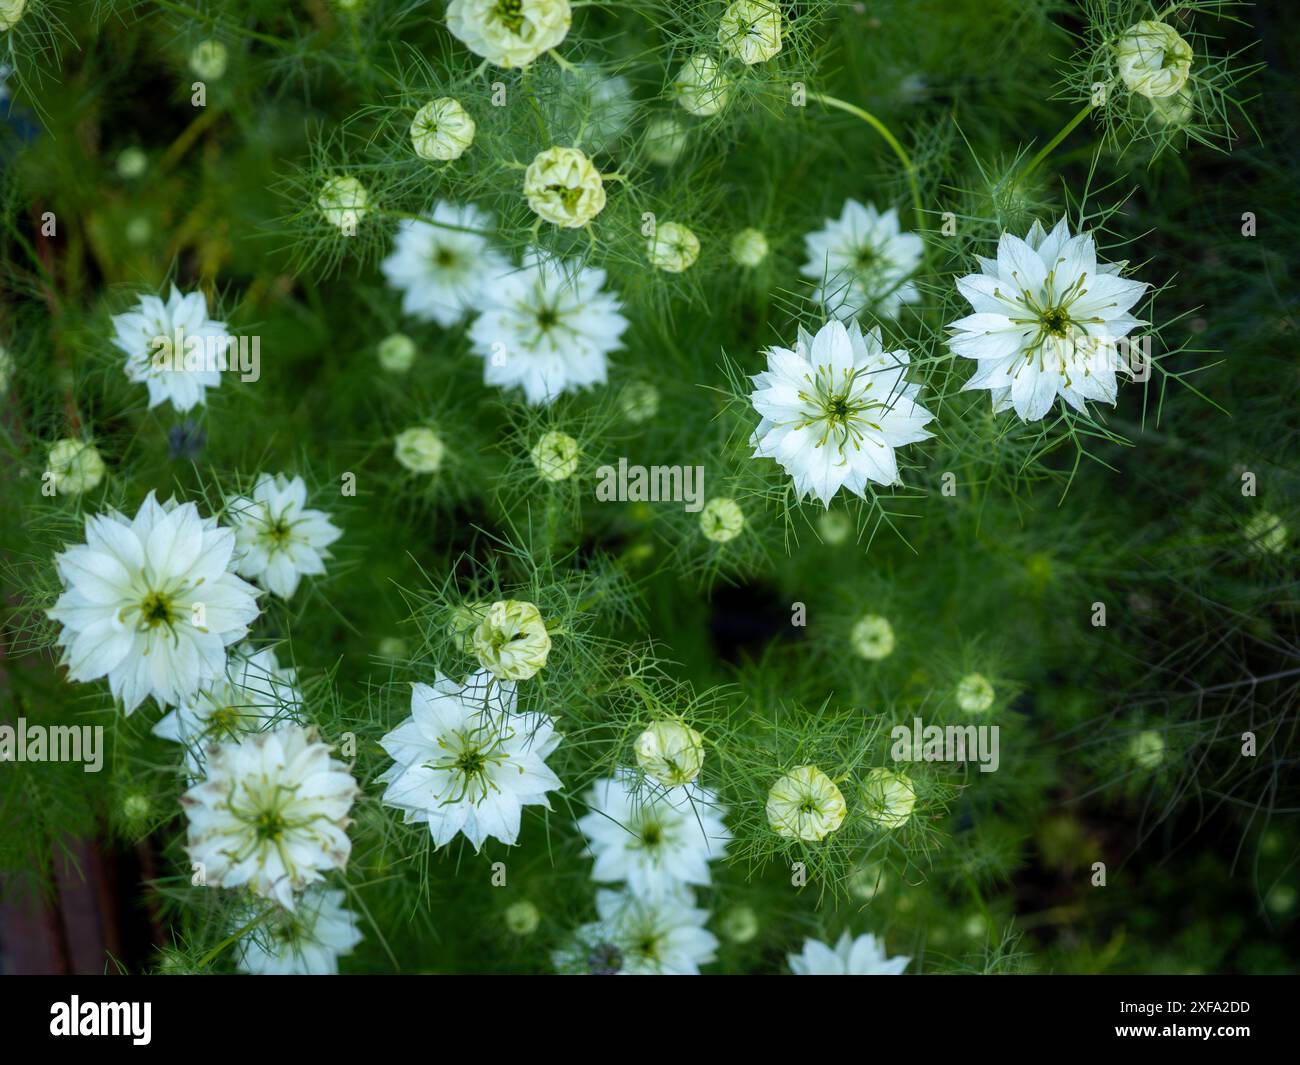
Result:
[[1051, 145], [890, 139]]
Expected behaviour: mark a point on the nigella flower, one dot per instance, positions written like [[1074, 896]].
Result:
[[834, 409], [254, 693], [442, 130], [654, 840], [173, 348], [888, 797], [306, 942], [509, 33], [641, 937], [272, 813], [441, 267], [547, 328], [671, 752], [279, 539], [863, 956], [73, 467], [564, 187], [1047, 320], [805, 804], [467, 761], [862, 261], [1153, 59], [511, 639], [151, 602]]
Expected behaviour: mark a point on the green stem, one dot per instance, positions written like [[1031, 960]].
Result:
[[890, 139], [211, 955], [1051, 145], [189, 12], [412, 217]]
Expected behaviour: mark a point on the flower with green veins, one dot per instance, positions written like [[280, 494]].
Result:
[[511, 640], [722, 520], [805, 804], [442, 130], [555, 455], [1153, 59], [889, 797], [671, 752]]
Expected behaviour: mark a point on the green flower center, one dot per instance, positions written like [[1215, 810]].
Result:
[[471, 759], [840, 409], [569, 197], [1056, 321], [269, 825], [156, 609], [278, 532], [510, 13], [865, 258]]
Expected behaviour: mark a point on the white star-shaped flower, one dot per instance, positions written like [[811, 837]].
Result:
[[441, 269], [466, 761], [254, 694], [834, 408], [272, 813], [634, 936], [1047, 320], [174, 348], [307, 942], [864, 956], [278, 538], [152, 603], [547, 328], [652, 839], [863, 261]]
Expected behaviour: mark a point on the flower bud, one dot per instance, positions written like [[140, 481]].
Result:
[[722, 519], [74, 467], [665, 139], [639, 402], [342, 201], [805, 804], [739, 924], [1153, 59], [441, 130], [974, 693], [522, 918], [888, 797], [209, 59], [564, 187], [556, 456], [670, 752], [509, 33], [750, 30], [420, 450], [10, 12], [1148, 749], [873, 638], [673, 247], [511, 641], [701, 87], [749, 247], [396, 353]]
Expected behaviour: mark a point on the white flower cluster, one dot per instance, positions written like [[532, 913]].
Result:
[[1050, 321], [657, 843], [467, 760], [546, 326], [156, 603]]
